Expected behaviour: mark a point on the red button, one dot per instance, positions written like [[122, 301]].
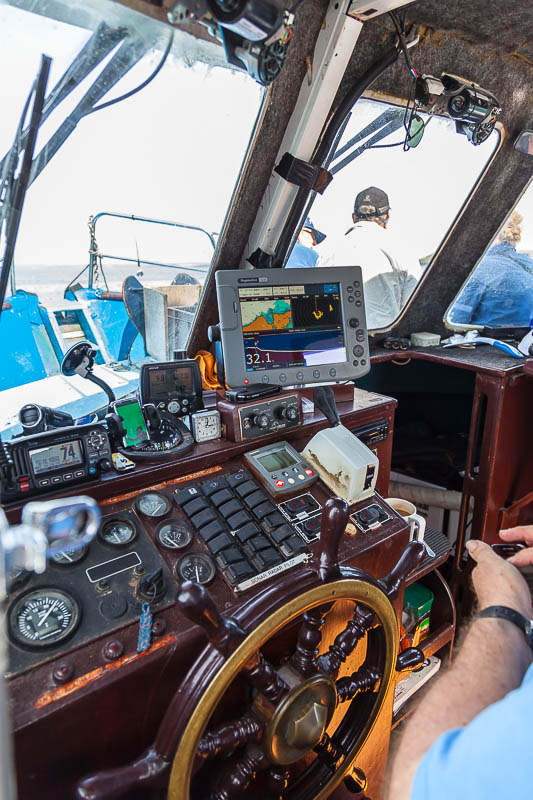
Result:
[[24, 484], [309, 472], [280, 483]]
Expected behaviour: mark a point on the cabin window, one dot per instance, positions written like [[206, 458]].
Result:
[[171, 152], [499, 291], [426, 187]]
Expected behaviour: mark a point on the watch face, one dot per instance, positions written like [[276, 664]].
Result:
[[207, 426]]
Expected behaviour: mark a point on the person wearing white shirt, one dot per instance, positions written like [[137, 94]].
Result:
[[368, 244]]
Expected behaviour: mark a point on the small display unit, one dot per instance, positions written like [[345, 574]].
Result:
[[173, 386], [292, 326], [280, 468]]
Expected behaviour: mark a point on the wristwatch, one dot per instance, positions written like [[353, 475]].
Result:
[[504, 612]]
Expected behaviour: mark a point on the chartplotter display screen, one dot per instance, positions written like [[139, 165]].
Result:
[[292, 326]]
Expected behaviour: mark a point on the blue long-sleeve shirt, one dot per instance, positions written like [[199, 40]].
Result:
[[499, 292]]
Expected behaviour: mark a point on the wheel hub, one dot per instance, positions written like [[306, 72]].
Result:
[[299, 721]]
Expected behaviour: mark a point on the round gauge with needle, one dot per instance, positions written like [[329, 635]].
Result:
[[43, 617], [152, 504], [66, 557], [118, 532], [197, 567], [173, 535]]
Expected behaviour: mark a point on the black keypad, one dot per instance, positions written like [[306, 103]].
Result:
[[208, 532], [235, 573], [219, 498], [246, 488], [281, 533], [183, 496], [231, 555], [236, 478], [194, 506], [203, 518], [255, 499], [228, 509], [266, 559], [214, 485], [220, 542], [264, 509], [242, 527], [292, 546], [237, 520], [249, 530]]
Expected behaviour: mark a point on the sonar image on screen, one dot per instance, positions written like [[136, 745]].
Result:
[[291, 326]]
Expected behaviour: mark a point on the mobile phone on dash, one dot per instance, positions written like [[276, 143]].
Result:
[[130, 412]]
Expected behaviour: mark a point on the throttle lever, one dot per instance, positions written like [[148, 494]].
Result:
[[324, 399]]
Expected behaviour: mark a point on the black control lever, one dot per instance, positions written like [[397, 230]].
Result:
[[153, 416], [152, 587], [324, 399]]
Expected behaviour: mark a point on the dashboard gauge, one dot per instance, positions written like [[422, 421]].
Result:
[[65, 557], [196, 567], [153, 504], [118, 532], [43, 618], [173, 535]]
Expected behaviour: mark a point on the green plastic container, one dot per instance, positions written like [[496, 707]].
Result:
[[419, 599]]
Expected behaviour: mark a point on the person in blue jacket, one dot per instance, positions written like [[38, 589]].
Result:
[[499, 292], [303, 253], [470, 736]]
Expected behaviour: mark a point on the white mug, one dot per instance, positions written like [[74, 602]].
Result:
[[407, 510]]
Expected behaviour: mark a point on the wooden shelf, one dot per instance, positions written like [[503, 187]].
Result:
[[440, 638]]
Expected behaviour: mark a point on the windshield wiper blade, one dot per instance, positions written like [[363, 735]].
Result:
[[14, 201], [387, 122]]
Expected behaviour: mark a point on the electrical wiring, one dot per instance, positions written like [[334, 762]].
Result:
[[148, 80]]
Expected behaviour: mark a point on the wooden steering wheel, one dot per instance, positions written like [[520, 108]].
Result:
[[240, 726]]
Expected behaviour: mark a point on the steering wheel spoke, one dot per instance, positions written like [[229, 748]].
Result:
[[265, 679], [227, 738], [239, 774], [346, 641], [304, 658], [361, 681]]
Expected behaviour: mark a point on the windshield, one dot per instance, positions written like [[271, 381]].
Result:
[[499, 292], [406, 202], [123, 199]]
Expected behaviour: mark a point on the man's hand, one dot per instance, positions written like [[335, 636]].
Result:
[[522, 533], [496, 581]]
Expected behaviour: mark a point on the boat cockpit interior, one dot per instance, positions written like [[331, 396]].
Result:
[[243, 448]]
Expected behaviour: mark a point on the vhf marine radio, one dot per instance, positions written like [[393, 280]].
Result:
[[42, 462], [172, 386], [293, 326]]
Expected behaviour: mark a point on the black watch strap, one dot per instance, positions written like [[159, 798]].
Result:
[[504, 612]]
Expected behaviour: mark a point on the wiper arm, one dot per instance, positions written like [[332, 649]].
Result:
[[390, 121], [15, 188]]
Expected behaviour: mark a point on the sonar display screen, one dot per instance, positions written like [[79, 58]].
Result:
[[292, 326]]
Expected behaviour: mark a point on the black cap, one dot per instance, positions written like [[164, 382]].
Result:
[[308, 226], [371, 202]]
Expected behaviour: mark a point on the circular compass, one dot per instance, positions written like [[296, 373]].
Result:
[[43, 618]]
